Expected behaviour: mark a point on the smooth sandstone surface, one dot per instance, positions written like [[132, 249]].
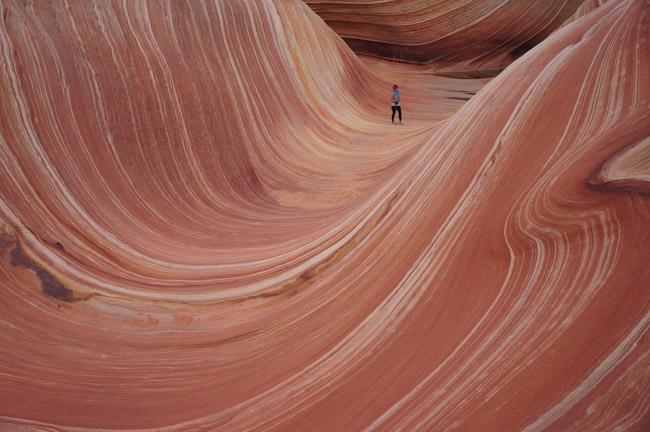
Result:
[[586, 7], [448, 35], [208, 222]]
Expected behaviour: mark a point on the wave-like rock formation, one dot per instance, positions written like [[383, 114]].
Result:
[[209, 223], [586, 7], [448, 35]]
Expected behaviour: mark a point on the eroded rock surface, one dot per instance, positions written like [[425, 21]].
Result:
[[210, 223], [448, 35]]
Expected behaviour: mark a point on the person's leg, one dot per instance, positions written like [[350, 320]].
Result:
[[393, 108], [399, 110]]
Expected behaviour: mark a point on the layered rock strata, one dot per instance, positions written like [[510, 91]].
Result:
[[208, 222], [448, 35]]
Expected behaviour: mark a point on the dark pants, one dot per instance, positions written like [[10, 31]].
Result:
[[399, 110]]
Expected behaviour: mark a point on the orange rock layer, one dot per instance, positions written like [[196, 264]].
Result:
[[449, 34], [208, 222]]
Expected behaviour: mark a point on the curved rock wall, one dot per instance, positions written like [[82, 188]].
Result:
[[448, 35], [586, 7], [208, 222]]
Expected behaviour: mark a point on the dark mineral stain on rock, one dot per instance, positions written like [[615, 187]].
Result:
[[49, 284], [53, 287], [19, 258], [6, 240]]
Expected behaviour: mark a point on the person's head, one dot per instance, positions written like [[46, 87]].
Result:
[[395, 87]]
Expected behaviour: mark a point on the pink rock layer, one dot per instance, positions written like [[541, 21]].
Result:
[[209, 223], [448, 35], [586, 7]]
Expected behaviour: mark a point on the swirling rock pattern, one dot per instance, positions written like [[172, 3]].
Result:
[[586, 7], [448, 34], [208, 223]]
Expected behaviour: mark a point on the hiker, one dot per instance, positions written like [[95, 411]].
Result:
[[395, 105]]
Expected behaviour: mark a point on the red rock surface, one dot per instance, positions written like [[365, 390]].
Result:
[[586, 7], [208, 223], [447, 34]]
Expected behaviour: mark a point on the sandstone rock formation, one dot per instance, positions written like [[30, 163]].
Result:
[[209, 223], [449, 34], [586, 7]]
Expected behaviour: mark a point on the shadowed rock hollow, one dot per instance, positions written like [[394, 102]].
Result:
[[448, 34], [208, 222]]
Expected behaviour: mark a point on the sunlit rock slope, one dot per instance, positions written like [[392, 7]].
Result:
[[448, 34], [586, 7], [208, 222]]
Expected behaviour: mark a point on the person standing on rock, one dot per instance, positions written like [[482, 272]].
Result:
[[395, 106]]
